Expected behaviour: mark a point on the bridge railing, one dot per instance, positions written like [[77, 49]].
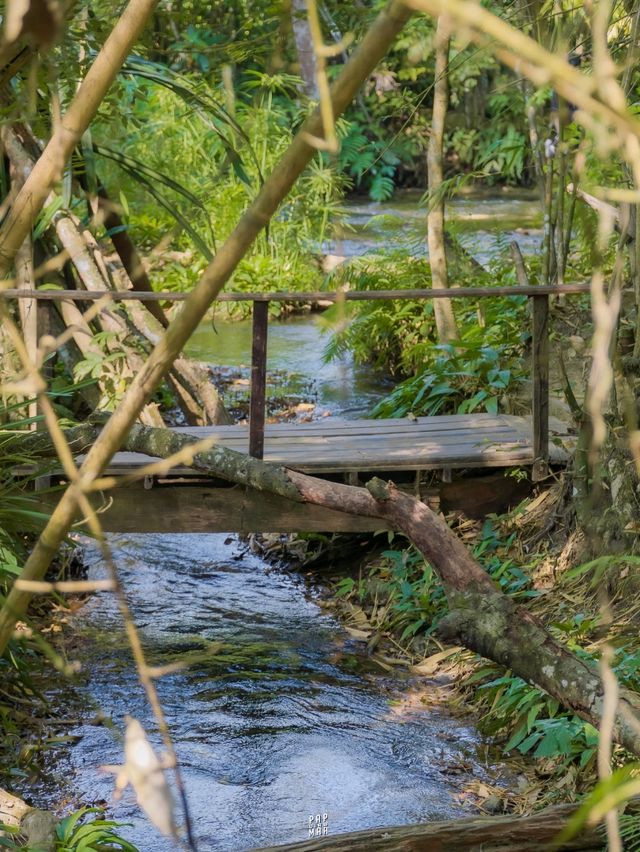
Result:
[[538, 294]]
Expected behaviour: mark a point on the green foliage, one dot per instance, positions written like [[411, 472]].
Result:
[[220, 162], [457, 379], [82, 831], [85, 830], [630, 832], [404, 587], [475, 374], [609, 793], [382, 333], [471, 375], [492, 553], [534, 721], [369, 163], [22, 702], [20, 517]]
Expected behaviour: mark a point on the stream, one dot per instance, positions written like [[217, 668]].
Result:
[[281, 718]]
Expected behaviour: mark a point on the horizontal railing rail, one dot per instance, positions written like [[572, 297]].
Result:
[[313, 297], [539, 294]]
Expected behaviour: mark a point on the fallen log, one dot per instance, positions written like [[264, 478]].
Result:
[[490, 834], [481, 617]]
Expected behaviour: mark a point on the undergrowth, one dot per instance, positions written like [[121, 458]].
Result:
[[402, 600], [84, 830], [30, 665], [480, 372]]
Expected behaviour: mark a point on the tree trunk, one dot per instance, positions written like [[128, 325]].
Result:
[[361, 63], [489, 834], [131, 260], [481, 617], [304, 48], [442, 308]]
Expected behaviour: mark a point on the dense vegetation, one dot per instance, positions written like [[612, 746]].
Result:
[[194, 123]]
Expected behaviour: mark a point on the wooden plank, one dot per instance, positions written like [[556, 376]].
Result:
[[346, 444], [258, 379], [456, 423], [379, 447], [540, 370], [206, 509], [400, 422], [385, 446], [508, 456]]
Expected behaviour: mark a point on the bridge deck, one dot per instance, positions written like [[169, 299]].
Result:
[[428, 443]]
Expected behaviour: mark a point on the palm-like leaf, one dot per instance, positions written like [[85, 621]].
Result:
[[150, 178], [214, 115]]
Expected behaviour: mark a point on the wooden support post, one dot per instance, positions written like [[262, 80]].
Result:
[[540, 376], [258, 379], [43, 327], [539, 370]]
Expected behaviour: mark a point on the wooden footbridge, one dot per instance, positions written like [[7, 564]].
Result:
[[417, 453]]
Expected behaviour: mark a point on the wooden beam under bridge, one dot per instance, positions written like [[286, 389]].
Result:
[[183, 506]]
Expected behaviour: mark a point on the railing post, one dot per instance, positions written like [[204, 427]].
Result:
[[540, 376], [258, 378]]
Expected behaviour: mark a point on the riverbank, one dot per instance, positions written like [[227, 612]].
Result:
[[387, 597]]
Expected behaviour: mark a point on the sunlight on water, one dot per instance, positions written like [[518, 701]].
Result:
[[270, 727]]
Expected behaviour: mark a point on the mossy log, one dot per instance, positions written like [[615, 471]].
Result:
[[490, 834]]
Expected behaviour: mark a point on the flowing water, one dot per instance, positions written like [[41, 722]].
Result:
[[281, 716], [483, 223]]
